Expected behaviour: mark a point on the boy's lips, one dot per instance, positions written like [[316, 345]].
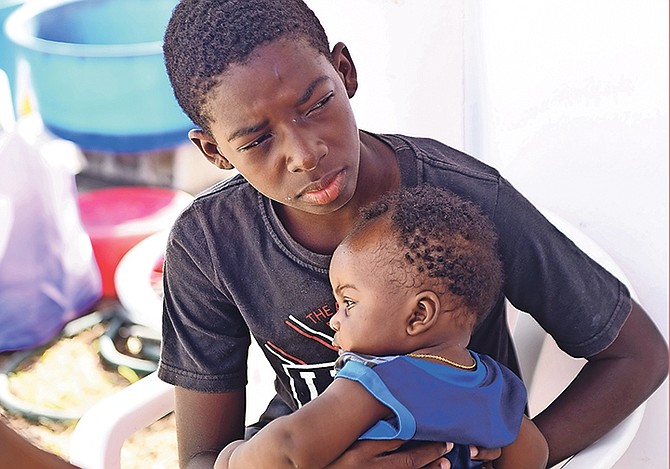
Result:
[[325, 190]]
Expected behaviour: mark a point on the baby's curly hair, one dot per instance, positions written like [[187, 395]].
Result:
[[442, 237], [205, 37]]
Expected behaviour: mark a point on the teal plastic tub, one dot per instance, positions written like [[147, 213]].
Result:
[[97, 72]]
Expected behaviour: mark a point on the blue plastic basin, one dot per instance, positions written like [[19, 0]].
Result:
[[97, 73]]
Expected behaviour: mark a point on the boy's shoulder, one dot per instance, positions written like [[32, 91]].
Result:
[[234, 193], [225, 186], [440, 156], [233, 196]]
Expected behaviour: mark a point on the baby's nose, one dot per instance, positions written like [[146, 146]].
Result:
[[334, 323]]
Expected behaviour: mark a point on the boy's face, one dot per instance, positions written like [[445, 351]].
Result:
[[284, 121], [372, 314]]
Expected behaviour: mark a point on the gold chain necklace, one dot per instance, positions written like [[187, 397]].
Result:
[[445, 360]]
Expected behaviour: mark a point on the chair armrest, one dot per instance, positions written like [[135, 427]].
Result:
[[605, 452], [99, 436]]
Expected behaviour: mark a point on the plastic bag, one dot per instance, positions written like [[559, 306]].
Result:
[[48, 274]]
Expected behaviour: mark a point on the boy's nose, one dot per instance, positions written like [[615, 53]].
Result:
[[305, 161], [303, 154]]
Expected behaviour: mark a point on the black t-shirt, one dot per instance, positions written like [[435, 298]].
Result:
[[231, 268]]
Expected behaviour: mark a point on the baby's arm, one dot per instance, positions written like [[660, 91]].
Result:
[[529, 450], [313, 436]]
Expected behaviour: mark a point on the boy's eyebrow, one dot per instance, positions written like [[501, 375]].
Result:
[[302, 100], [248, 130], [310, 90]]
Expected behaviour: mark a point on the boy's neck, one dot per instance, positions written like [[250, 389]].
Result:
[[378, 173]]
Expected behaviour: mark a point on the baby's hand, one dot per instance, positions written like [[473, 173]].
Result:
[[394, 454], [485, 454]]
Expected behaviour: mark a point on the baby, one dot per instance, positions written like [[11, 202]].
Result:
[[412, 280]]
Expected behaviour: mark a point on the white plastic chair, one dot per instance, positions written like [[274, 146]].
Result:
[[99, 436]]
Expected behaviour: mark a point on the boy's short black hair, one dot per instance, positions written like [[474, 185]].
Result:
[[444, 237], [205, 37]]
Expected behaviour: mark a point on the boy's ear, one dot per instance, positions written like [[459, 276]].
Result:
[[209, 148], [424, 313], [344, 66]]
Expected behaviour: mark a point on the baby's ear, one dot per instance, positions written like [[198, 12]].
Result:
[[208, 147], [424, 313]]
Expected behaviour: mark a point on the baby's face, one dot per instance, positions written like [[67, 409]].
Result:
[[284, 121], [372, 313]]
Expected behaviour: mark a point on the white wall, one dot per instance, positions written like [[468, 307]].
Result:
[[568, 99], [407, 84]]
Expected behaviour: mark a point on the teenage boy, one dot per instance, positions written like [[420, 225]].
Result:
[[250, 256]]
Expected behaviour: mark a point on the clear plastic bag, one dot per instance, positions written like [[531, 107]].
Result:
[[48, 274]]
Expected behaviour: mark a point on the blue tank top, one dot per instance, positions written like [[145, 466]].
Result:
[[437, 402]]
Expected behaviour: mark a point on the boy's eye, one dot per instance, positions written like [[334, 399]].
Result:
[[321, 103], [348, 303], [254, 143]]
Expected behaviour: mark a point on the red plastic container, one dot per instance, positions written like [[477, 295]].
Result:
[[117, 218]]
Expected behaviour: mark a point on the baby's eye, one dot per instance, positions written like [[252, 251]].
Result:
[[349, 303]]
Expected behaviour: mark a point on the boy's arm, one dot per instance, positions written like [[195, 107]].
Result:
[[609, 387], [205, 424], [314, 435], [529, 450]]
